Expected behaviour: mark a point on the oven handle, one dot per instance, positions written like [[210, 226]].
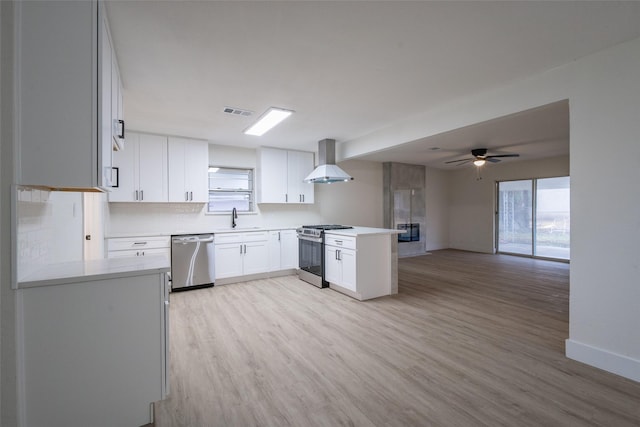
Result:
[[310, 239]]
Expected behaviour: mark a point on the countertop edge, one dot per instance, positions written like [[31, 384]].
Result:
[[364, 231], [93, 270]]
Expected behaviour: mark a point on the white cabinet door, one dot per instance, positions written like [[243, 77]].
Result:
[[126, 172], [188, 165], [272, 175], [109, 332], [176, 162], [228, 260], [256, 257], [332, 267], [288, 249], [152, 167], [299, 166], [196, 165], [117, 112], [275, 258], [141, 170], [347, 260], [107, 67], [58, 108]]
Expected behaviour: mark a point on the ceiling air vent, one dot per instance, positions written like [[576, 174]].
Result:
[[237, 112]]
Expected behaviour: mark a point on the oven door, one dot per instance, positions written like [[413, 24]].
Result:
[[311, 260]]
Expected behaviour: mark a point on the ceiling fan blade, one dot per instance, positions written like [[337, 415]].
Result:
[[503, 155], [492, 160], [460, 160]]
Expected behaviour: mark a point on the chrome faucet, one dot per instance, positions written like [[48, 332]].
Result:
[[234, 216]]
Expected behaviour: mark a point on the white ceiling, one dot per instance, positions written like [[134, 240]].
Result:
[[350, 68]]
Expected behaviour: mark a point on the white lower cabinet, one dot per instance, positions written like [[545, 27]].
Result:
[[340, 266], [241, 254], [359, 266], [283, 250], [95, 352]]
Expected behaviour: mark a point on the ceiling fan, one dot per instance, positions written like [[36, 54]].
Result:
[[480, 157]]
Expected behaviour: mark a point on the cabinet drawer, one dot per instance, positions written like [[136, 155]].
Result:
[[128, 243], [140, 252], [254, 236], [340, 241], [222, 238]]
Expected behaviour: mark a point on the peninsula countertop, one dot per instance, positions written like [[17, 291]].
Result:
[[364, 231], [98, 269]]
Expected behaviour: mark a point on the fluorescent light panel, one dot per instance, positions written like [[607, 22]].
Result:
[[268, 120]]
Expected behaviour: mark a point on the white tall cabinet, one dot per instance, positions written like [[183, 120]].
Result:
[[188, 165], [141, 170], [63, 75], [281, 175]]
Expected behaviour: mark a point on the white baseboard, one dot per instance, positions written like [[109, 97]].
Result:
[[611, 362]]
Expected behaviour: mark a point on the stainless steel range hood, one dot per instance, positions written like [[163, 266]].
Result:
[[327, 172]]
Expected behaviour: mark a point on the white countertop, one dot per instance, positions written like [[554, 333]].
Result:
[[99, 269], [363, 231]]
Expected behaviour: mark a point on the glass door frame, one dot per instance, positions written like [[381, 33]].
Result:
[[534, 209]]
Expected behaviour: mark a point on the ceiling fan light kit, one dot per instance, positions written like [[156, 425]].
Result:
[[480, 157]]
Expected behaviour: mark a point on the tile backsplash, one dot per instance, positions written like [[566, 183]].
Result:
[[49, 229], [35, 230]]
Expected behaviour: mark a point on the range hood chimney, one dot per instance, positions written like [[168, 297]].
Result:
[[327, 172]]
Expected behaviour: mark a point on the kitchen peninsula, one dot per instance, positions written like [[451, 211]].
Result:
[[362, 262]]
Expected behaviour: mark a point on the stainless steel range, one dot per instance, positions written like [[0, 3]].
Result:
[[311, 252]]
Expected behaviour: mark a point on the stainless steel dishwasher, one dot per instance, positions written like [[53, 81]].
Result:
[[192, 262]]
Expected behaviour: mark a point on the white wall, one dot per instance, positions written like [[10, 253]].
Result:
[[437, 212], [358, 202], [605, 229], [473, 201]]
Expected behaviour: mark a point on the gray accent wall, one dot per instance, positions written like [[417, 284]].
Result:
[[404, 203]]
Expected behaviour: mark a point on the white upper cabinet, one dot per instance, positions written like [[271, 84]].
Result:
[[188, 165], [61, 79], [117, 108], [281, 176], [141, 170], [272, 176], [299, 166]]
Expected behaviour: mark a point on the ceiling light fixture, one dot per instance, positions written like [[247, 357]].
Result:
[[479, 162], [268, 120]]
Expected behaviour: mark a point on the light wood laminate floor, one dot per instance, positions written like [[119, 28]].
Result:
[[470, 340]]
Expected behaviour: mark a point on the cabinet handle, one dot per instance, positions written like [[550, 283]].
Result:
[[142, 253], [121, 136], [191, 195], [338, 242], [139, 243], [186, 196], [278, 236], [240, 249], [138, 253], [141, 195], [245, 249], [286, 198], [136, 195]]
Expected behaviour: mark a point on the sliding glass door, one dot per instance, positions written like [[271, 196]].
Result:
[[533, 217], [515, 202]]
